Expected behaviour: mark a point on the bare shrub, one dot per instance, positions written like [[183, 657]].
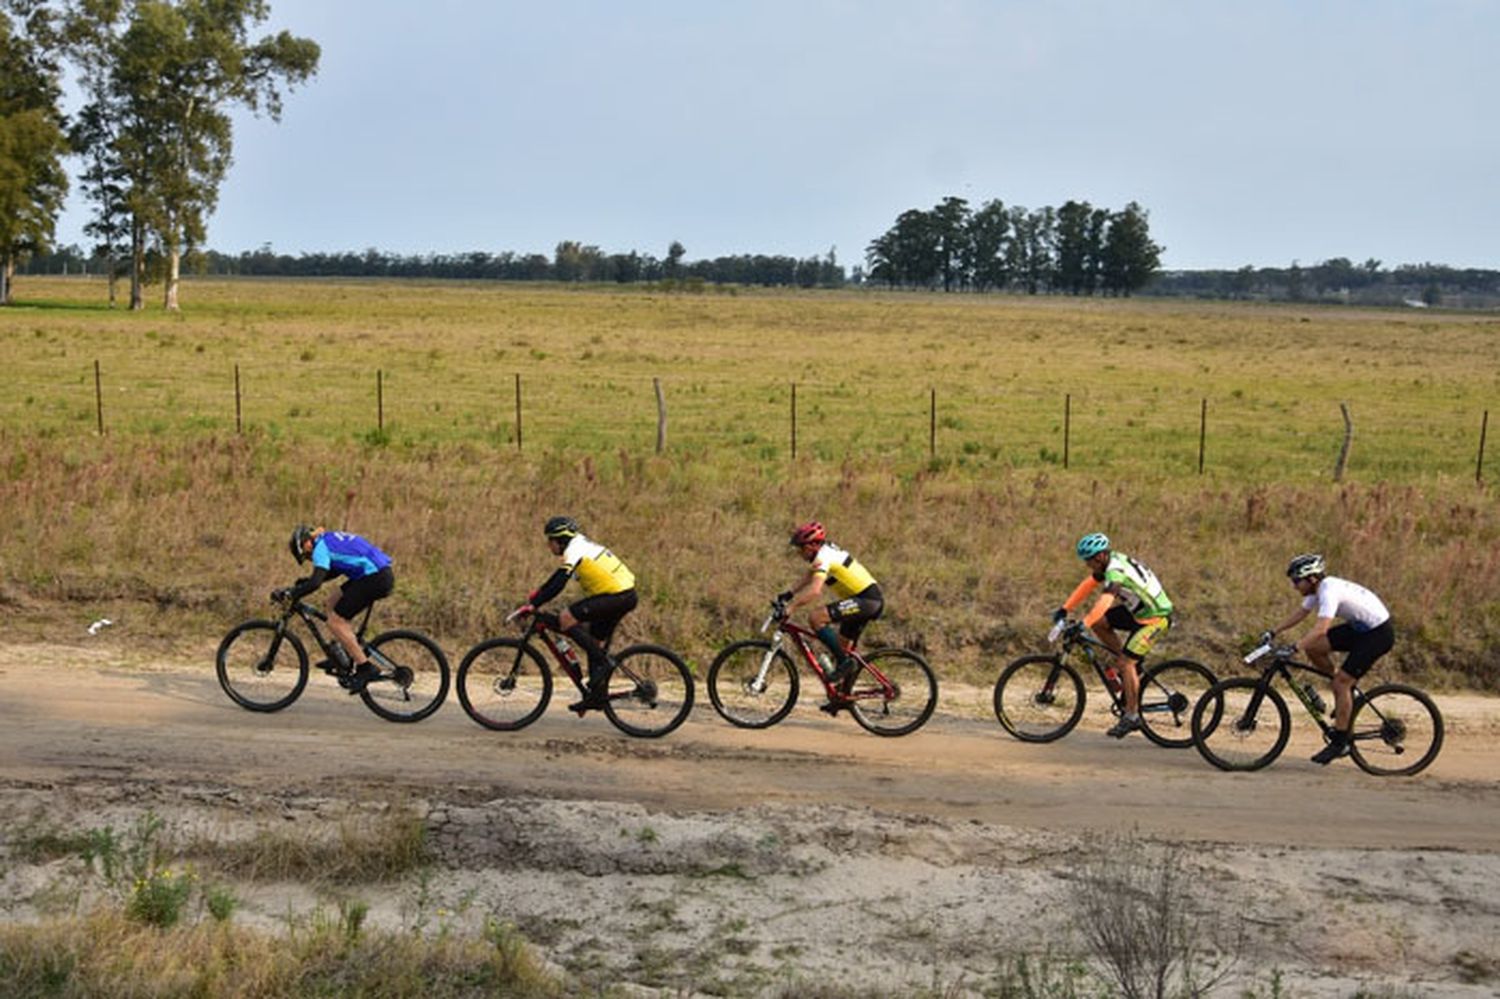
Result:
[[1134, 907]]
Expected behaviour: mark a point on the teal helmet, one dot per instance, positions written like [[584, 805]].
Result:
[[1092, 544]]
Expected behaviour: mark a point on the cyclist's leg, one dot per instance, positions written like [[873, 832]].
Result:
[[1137, 644], [852, 615], [1363, 648], [352, 599], [1128, 653], [597, 618]]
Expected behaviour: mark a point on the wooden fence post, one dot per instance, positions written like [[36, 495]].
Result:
[[794, 421], [1202, 433], [1484, 426], [99, 397], [518, 410], [932, 425], [1338, 467], [1067, 424], [379, 400], [238, 424], [661, 416]]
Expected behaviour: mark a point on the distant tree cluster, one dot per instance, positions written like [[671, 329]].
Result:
[[154, 137], [1074, 250], [571, 262], [1339, 280]]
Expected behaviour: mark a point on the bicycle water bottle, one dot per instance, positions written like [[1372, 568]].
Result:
[[1112, 679], [1314, 698], [341, 656], [825, 661], [566, 648]]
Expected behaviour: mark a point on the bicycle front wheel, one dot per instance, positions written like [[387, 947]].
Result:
[[504, 684], [1396, 730], [1237, 726], [1039, 698], [1168, 694], [893, 693], [413, 676], [650, 691], [751, 685], [261, 666]]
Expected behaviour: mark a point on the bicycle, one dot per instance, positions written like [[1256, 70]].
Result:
[[1234, 729], [1040, 698], [505, 683], [754, 683], [257, 674]]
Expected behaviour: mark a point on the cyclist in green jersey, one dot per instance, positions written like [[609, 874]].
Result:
[[1132, 602]]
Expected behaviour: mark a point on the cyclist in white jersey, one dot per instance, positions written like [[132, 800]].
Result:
[[1365, 635], [859, 600]]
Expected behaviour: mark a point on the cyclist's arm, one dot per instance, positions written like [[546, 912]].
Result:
[[807, 591], [1101, 607], [551, 588], [307, 584], [1080, 593], [1300, 613], [1318, 630]]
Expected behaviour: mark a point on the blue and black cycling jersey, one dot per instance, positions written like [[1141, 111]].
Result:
[[350, 555]]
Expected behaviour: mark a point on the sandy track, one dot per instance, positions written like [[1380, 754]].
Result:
[[717, 858]]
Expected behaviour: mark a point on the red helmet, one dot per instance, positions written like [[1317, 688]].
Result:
[[810, 533]]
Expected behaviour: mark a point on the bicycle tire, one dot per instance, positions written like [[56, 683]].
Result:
[[902, 702], [650, 691], [419, 683], [1240, 742], [1397, 714], [1039, 698], [1169, 692], [504, 684], [731, 680], [253, 669]]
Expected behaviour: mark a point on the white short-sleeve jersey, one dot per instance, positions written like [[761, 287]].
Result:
[[1349, 602]]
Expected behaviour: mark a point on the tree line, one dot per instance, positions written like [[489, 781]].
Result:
[[153, 138], [1076, 249], [1340, 280]]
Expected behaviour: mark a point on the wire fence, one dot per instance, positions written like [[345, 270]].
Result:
[[1096, 428]]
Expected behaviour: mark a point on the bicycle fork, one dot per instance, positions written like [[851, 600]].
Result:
[[758, 685]]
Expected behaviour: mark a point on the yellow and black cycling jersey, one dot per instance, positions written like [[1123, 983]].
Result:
[[597, 569], [845, 575]]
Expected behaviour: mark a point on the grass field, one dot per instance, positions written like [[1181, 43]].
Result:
[[175, 523]]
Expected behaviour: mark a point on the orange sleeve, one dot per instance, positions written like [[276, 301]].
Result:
[[1080, 594], [1100, 608]]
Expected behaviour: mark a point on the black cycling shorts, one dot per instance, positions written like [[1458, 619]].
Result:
[[603, 612], [853, 613], [1364, 647], [360, 593]]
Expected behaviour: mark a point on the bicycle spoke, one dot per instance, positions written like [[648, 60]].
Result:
[[504, 685], [1396, 730]]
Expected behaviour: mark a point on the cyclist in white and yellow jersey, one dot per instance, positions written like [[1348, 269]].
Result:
[[859, 599], [608, 595], [1132, 601]]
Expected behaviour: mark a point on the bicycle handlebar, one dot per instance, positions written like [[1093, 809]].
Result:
[[1270, 648], [778, 613]]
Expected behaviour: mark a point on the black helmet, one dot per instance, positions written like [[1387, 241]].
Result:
[[1305, 566], [301, 534], [562, 528]]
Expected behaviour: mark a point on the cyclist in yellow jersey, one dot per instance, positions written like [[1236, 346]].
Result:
[[608, 595], [859, 599]]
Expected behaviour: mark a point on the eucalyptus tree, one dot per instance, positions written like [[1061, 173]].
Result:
[[32, 140], [989, 233], [161, 77], [1131, 258]]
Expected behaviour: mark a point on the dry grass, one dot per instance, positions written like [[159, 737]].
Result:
[[107, 954], [174, 526]]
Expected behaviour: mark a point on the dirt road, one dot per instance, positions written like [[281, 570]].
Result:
[[939, 850]]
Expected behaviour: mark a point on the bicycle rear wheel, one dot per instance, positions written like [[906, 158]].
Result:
[[261, 666], [1169, 692], [1397, 731], [1236, 726], [1039, 698], [741, 695], [650, 691], [893, 693], [504, 684], [413, 676]]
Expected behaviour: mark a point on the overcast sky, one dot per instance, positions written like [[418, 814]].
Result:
[[1254, 132]]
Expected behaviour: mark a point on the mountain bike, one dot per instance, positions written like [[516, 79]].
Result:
[[1243, 724], [263, 665], [1041, 698], [754, 683], [505, 683]]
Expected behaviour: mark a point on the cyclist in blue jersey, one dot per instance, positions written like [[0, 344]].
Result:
[[368, 578]]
